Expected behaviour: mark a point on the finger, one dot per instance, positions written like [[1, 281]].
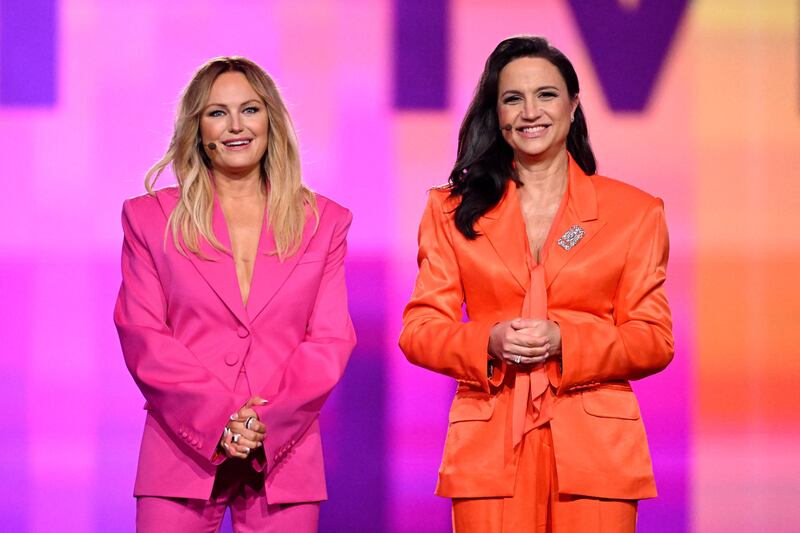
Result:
[[526, 351], [528, 360], [522, 323], [248, 434], [247, 443], [256, 400], [526, 340], [240, 451], [252, 433], [255, 425]]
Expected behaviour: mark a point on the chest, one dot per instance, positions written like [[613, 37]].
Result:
[[539, 218], [245, 224]]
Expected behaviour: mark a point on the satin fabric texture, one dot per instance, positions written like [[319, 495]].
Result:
[[536, 506], [186, 336], [607, 295]]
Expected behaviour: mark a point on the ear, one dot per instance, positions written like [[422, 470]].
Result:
[[575, 102]]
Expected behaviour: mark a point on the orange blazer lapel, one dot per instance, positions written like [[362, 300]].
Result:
[[504, 228], [582, 214]]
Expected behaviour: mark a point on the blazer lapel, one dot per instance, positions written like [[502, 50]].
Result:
[[504, 228], [215, 266], [269, 273], [581, 211]]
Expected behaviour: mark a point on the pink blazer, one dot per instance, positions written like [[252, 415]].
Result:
[[185, 336]]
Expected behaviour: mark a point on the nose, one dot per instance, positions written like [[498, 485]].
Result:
[[235, 124], [530, 110]]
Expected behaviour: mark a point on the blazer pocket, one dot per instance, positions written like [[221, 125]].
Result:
[[312, 257], [611, 403], [472, 407]]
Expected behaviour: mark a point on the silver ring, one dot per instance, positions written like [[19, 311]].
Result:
[[249, 420], [518, 360], [235, 438]]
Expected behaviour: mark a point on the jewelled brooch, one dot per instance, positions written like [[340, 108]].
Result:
[[571, 237]]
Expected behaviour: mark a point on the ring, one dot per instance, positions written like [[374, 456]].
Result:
[[235, 438], [248, 421], [518, 360]]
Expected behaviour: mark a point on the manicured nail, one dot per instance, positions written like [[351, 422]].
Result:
[[234, 416], [264, 402]]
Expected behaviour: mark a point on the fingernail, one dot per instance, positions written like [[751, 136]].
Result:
[[234, 416], [264, 402]]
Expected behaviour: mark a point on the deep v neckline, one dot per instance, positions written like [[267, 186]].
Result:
[[227, 240], [548, 241]]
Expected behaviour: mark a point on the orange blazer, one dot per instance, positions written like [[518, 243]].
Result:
[[606, 293]]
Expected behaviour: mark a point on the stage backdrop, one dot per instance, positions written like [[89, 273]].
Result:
[[696, 102]]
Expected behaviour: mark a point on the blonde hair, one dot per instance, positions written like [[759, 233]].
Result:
[[280, 168]]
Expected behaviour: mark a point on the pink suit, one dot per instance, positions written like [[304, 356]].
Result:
[[186, 337]]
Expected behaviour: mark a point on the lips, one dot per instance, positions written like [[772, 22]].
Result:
[[534, 131], [236, 143]]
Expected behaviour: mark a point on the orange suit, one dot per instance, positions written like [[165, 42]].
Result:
[[606, 292]]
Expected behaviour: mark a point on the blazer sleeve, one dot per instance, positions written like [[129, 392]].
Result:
[[639, 342], [434, 335], [192, 403], [316, 365]]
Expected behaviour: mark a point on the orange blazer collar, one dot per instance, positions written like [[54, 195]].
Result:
[[504, 226], [582, 196]]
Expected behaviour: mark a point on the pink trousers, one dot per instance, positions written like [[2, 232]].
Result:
[[236, 486]]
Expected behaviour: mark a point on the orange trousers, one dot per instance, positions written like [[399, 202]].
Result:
[[536, 506]]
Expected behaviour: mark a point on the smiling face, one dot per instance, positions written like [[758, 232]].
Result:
[[235, 119], [533, 100]]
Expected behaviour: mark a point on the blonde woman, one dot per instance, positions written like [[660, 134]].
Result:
[[232, 314]]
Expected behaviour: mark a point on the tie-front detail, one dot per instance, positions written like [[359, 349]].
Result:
[[533, 396]]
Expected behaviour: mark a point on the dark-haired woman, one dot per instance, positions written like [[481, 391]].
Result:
[[562, 274]]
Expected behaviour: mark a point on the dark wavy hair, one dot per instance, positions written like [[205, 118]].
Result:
[[484, 162]]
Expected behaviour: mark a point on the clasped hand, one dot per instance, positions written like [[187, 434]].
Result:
[[525, 341], [240, 437]]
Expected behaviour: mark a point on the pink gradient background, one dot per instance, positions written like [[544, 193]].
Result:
[[719, 142]]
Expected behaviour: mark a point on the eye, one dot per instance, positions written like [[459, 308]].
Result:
[[548, 95], [512, 98], [215, 113], [251, 110]]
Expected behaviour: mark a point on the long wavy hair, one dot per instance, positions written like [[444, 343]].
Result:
[[484, 162], [287, 196]]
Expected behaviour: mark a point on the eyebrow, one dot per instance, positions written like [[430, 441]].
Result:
[[251, 101], [515, 91]]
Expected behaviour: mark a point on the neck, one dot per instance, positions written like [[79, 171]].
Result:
[[233, 187], [543, 176]]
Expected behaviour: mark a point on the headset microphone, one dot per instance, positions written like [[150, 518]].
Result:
[[212, 146]]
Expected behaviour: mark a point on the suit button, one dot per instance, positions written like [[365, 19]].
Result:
[[231, 359], [242, 332]]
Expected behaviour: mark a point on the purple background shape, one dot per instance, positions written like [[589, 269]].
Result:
[[28, 52], [421, 31], [628, 45]]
